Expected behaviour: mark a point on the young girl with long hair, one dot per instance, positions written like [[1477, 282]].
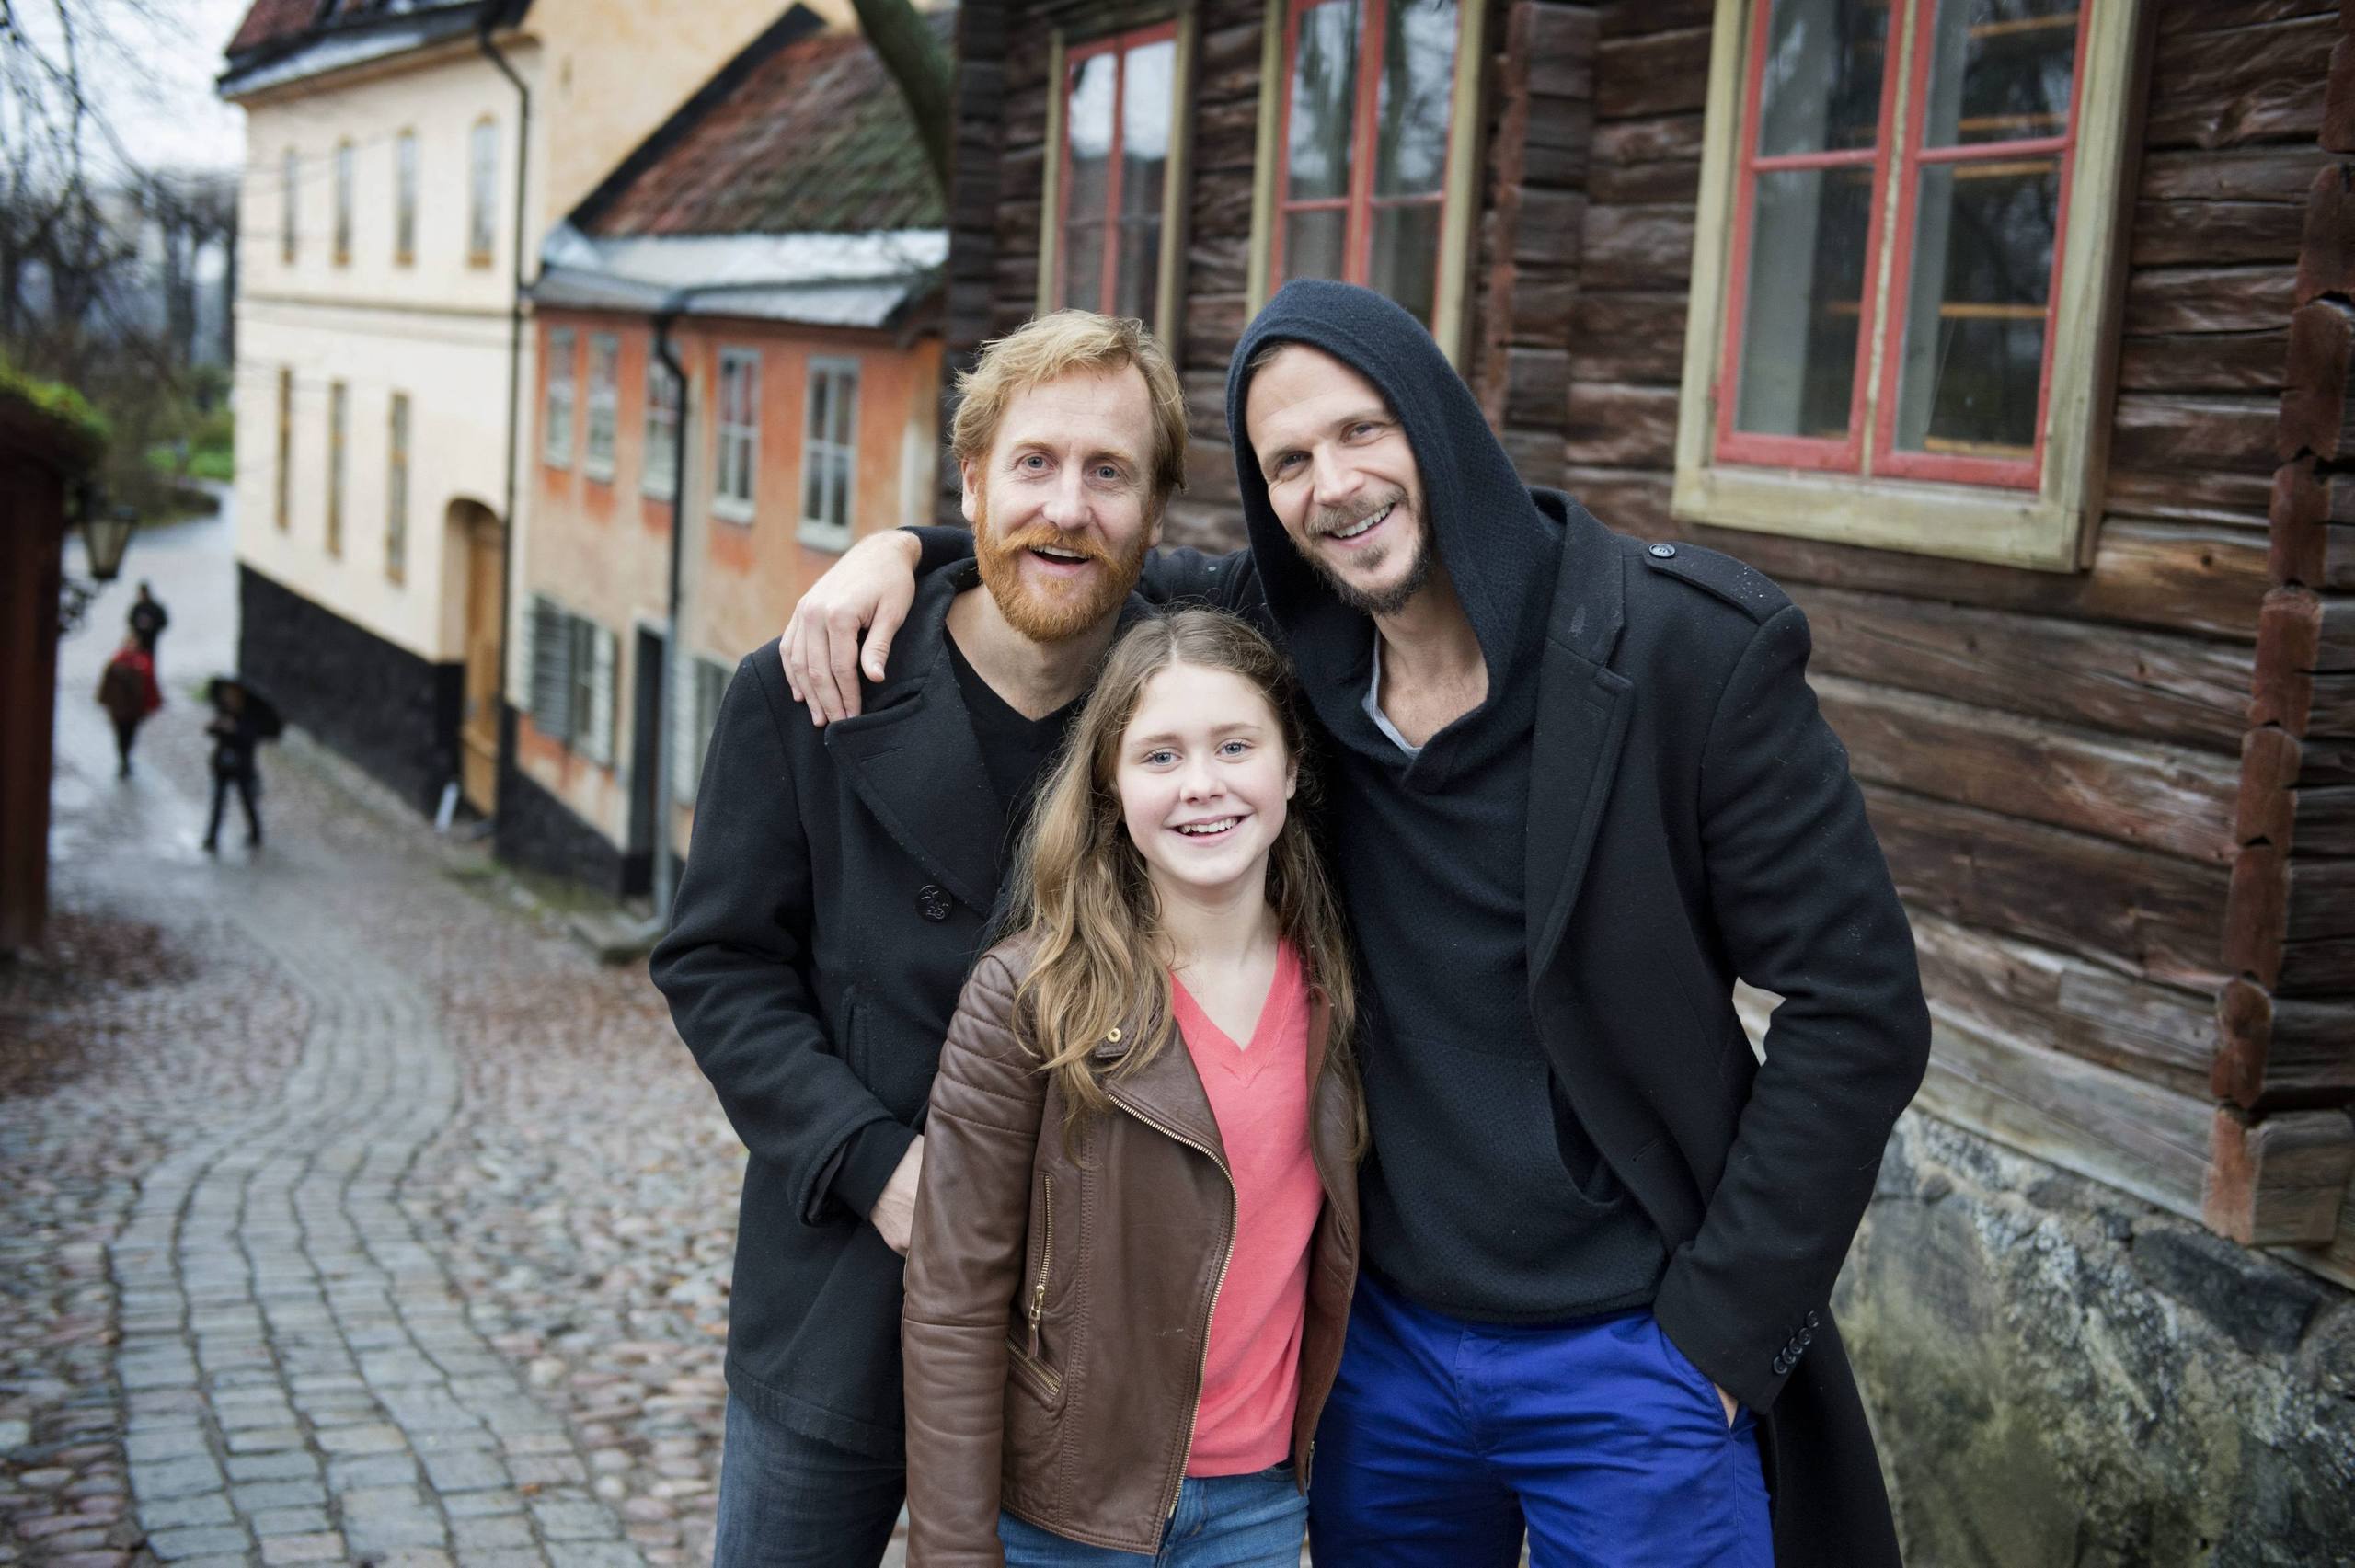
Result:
[[1136, 1235]]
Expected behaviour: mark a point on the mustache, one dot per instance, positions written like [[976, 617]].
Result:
[[1054, 538], [1333, 520]]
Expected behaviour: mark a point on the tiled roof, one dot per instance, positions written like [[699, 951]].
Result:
[[271, 20], [813, 139]]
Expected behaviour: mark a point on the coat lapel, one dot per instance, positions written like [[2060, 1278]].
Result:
[[912, 760], [1582, 713], [1165, 1091]]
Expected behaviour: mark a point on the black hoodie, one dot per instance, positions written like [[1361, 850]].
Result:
[[1476, 1200]]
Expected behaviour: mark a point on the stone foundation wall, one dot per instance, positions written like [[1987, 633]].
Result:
[[2060, 1375], [388, 710], [536, 831]]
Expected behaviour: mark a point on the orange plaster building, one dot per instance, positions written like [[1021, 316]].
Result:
[[779, 245]]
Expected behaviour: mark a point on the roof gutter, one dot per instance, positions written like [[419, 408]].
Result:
[[514, 356]]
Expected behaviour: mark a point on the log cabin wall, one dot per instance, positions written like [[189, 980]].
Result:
[[2055, 763]]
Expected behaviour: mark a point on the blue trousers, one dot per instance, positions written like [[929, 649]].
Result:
[[1223, 1521], [787, 1500], [1444, 1439]]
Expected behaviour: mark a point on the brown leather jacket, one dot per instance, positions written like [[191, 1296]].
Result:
[[1059, 1299]]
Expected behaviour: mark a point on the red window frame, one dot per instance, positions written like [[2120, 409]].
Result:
[[1919, 19], [1359, 205], [1119, 45]]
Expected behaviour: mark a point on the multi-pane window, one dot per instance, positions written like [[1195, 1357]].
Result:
[[604, 406], [1930, 362], [555, 417], [739, 433], [696, 699], [482, 189], [290, 172], [344, 157], [339, 412], [661, 466], [1116, 119], [404, 198], [397, 491], [1361, 189], [569, 660], [830, 453], [282, 495]]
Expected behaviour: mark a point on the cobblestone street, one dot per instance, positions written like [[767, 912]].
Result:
[[349, 1210]]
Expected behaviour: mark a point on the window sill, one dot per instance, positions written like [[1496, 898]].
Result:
[[728, 508], [665, 493], [559, 461], [824, 536], [479, 260], [2009, 528], [598, 473]]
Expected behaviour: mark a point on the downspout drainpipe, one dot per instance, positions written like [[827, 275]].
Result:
[[493, 10], [666, 865]]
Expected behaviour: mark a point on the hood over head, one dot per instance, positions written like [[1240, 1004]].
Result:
[[1498, 547]]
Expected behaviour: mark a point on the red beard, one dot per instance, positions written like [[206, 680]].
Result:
[[1051, 615]]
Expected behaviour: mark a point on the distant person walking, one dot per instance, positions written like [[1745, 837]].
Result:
[[127, 693], [148, 619], [241, 722]]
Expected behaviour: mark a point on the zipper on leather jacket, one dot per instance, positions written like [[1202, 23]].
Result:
[[1227, 1257], [1046, 1255]]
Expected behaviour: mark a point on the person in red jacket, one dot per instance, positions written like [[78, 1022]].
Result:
[[127, 693]]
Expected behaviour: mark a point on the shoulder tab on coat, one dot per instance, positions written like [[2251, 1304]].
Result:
[[1740, 585]]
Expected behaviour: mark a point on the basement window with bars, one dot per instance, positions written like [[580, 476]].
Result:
[[1906, 291], [570, 659]]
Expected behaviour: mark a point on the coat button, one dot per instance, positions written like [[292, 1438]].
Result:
[[1664, 551], [1781, 1367], [1806, 1337], [1814, 1320], [932, 901]]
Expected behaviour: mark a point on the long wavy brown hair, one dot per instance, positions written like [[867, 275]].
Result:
[[1101, 958]]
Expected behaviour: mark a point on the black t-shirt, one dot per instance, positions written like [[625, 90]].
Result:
[[1015, 750]]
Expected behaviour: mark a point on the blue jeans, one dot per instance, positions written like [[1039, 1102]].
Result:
[[790, 1501], [1443, 1440], [1223, 1521]]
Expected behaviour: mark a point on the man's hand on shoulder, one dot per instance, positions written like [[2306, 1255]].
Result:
[[894, 1214], [869, 589]]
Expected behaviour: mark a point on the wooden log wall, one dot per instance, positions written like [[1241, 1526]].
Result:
[[2119, 802], [2056, 762], [2285, 1067]]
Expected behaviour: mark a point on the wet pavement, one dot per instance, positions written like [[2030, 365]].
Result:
[[349, 1210]]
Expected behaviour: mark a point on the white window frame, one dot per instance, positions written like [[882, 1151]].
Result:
[[482, 192], [404, 165], [2051, 527], [399, 419], [736, 466], [568, 671], [835, 372], [557, 405], [602, 425], [347, 158], [290, 176], [1467, 111], [657, 468]]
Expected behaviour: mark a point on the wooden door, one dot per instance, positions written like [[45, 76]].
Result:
[[479, 731]]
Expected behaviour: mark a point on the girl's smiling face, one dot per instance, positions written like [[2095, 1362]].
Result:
[[1204, 780]]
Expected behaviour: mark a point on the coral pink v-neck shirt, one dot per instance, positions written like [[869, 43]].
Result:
[[1251, 1373]]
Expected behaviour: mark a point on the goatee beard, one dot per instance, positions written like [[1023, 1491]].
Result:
[[1062, 616], [1395, 598]]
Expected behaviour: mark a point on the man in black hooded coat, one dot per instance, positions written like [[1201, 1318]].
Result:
[[1578, 787]]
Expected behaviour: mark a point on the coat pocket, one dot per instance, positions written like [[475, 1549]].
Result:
[[1032, 1373]]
